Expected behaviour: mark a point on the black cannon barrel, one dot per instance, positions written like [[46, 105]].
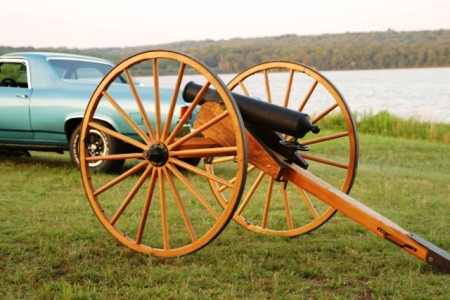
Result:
[[257, 112]]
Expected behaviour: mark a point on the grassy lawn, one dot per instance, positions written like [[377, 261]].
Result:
[[53, 247]]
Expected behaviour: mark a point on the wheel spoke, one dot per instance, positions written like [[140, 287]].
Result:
[[324, 113], [250, 193], [194, 192], [267, 203], [163, 208], [287, 208], [288, 88], [180, 205], [219, 160], [138, 100], [131, 195], [201, 172], [198, 130], [325, 161], [133, 124], [308, 96], [308, 203], [244, 89], [219, 151], [267, 85], [325, 138], [117, 135], [157, 99], [185, 117], [120, 178], [148, 201], [173, 102], [115, 156], [233, 180]]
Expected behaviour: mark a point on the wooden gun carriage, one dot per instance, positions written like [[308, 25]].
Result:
[[165, 205]]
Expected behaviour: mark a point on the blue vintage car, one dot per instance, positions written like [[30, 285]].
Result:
[[43, 97]]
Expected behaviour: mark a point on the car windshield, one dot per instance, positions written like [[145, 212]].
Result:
[[80, 70]]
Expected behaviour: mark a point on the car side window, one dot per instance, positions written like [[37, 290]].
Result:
[[79, 70], [13, 74], [89, 73]]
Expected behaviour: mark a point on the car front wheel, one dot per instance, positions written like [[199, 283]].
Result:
[[99, 144]]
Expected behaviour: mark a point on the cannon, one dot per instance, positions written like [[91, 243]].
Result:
[[160, 204]]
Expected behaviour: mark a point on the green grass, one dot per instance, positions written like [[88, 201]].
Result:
[[387, 124], [53, 247]]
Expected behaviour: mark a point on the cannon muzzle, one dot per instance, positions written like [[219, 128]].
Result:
[[259, 113]]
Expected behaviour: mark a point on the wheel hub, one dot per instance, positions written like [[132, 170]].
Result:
[[157, 154]]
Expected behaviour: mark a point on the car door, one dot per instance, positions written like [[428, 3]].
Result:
[[15, 93]]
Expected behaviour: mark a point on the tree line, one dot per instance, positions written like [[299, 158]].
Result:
[[347, 51]]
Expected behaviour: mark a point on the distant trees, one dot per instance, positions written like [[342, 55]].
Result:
[[348, 51]]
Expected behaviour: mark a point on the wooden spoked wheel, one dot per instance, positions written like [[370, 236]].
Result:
[[281, 208], [160, 202]]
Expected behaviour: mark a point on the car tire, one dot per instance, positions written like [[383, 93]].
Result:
[[100, 144]]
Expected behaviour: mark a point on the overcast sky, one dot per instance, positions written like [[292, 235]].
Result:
[[114, 23]]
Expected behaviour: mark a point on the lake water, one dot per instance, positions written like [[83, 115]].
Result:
[[420, 93]]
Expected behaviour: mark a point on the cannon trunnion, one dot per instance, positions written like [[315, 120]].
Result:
[[165, 204]]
